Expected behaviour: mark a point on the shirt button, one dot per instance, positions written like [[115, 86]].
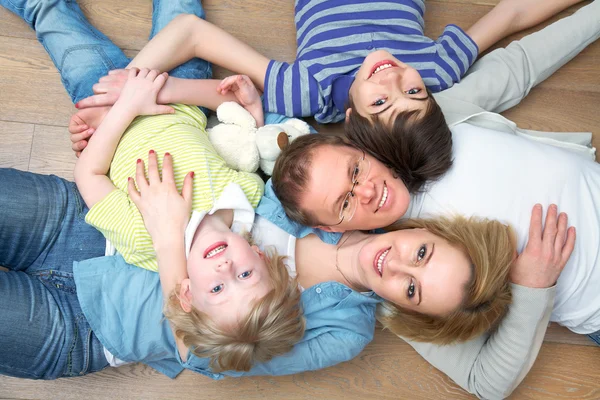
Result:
[[318, 290]]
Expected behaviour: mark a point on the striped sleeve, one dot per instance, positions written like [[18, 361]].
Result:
[[252, 186], [119, 220], [455, 53], [291, 90]]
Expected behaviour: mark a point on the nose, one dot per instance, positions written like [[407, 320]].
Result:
[[364, 191], [224, 266]]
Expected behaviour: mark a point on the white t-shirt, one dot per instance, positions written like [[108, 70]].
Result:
[[501, 176]]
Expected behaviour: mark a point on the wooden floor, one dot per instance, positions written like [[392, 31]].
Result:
[[34, 112]]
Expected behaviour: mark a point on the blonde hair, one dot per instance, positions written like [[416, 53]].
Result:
[[271, 328], [490, 246]]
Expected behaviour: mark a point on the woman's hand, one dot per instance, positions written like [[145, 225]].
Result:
[[140, 92], [107, 90], [547, 250], [246, 94], [166, 212]]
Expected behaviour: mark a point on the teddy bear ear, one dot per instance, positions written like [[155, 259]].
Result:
[[282, 140]]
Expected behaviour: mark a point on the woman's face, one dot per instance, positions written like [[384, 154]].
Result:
[[416, 270], [226, 274]]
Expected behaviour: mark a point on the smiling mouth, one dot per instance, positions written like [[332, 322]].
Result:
[[381, 66], [215, 250], [384, 196], [379, 260]]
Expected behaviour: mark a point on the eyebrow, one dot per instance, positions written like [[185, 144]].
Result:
[[426, 262], [226, 300]]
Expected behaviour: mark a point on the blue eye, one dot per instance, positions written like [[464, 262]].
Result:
[[217, 289], [421, 253], [245, 275], [379, 102], [413, 91], [410, 293]]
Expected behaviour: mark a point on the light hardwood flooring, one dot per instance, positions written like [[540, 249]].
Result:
[[34, 112]]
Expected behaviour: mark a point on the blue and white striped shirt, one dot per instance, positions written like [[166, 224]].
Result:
[[335, 36]]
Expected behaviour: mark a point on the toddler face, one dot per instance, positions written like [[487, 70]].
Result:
[[226, 274], [384, 86]]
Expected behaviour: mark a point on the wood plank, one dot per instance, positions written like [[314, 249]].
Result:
[[560, 334], [51, 152], [15, 144]]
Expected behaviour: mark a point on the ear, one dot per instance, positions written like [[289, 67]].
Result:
[[185, 295], [348, 112], [257, 250]]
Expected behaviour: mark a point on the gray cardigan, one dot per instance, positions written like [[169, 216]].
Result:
[[492, 366]]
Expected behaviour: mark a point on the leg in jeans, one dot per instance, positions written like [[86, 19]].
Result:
[[42, 231]]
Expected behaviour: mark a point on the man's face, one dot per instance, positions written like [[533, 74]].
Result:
[[378, 199]]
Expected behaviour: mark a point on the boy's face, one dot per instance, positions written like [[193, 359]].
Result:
[[378, 198], [226, 274], [384, 86]]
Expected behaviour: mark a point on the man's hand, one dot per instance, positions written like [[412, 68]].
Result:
[[547, 250]]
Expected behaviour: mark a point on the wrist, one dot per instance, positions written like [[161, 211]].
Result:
[[165, 95]]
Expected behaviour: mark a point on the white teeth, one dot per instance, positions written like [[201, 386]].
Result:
[[380, 260], [216, 251], [383, 197], [382, 67]]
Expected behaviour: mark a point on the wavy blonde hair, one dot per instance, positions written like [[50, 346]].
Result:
[[491, 248], [271, 328]]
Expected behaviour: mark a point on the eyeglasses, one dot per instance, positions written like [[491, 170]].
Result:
[[360, 171]]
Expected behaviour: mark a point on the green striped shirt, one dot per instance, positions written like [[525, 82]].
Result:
[[182, 134]]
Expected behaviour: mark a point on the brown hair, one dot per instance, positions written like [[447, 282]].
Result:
[[292, 172], [417, 147], [273, 325], [491, 246]]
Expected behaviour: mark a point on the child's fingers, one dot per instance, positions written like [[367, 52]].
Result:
[[77, 137], [226, 83], [188, 188], [133, 192], [79, 146], [95, 100], [152, 74], [132, 73], [160, 80], [143, 73], [153, 174], [167, 170], [159, 109], [77, 129], [140, 175], [119, 72]]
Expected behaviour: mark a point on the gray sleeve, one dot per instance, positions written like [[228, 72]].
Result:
[[492, 366], [502, 78]]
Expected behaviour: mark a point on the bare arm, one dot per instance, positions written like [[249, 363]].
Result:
[[188, 36], [511, 16]]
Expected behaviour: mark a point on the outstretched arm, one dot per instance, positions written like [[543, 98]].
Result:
[[510, 16], [188, 36], [502, 78]]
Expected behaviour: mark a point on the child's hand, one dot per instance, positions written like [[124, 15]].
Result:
[[139, 93], [107, 90], [547, 250], [246, 94], [166, 212], [83, 124]]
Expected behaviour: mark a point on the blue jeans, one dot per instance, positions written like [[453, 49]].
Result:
[[595, 337], [82, 53], [44, 334]]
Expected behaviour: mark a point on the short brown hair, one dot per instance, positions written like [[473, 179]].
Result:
[[292, 172], [417, 147], [274, 324], [491, 247]]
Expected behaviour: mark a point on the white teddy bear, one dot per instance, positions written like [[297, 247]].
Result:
[[245, 147]]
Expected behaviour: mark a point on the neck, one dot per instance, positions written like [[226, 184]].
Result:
[[318, 262]]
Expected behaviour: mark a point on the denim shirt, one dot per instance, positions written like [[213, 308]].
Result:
[[123, 305]]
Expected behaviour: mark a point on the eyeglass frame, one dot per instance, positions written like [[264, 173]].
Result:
[[355, 182]]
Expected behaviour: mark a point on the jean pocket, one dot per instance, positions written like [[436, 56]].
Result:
[[62, 281]]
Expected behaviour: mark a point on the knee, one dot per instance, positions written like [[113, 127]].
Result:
[[187, 21]]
